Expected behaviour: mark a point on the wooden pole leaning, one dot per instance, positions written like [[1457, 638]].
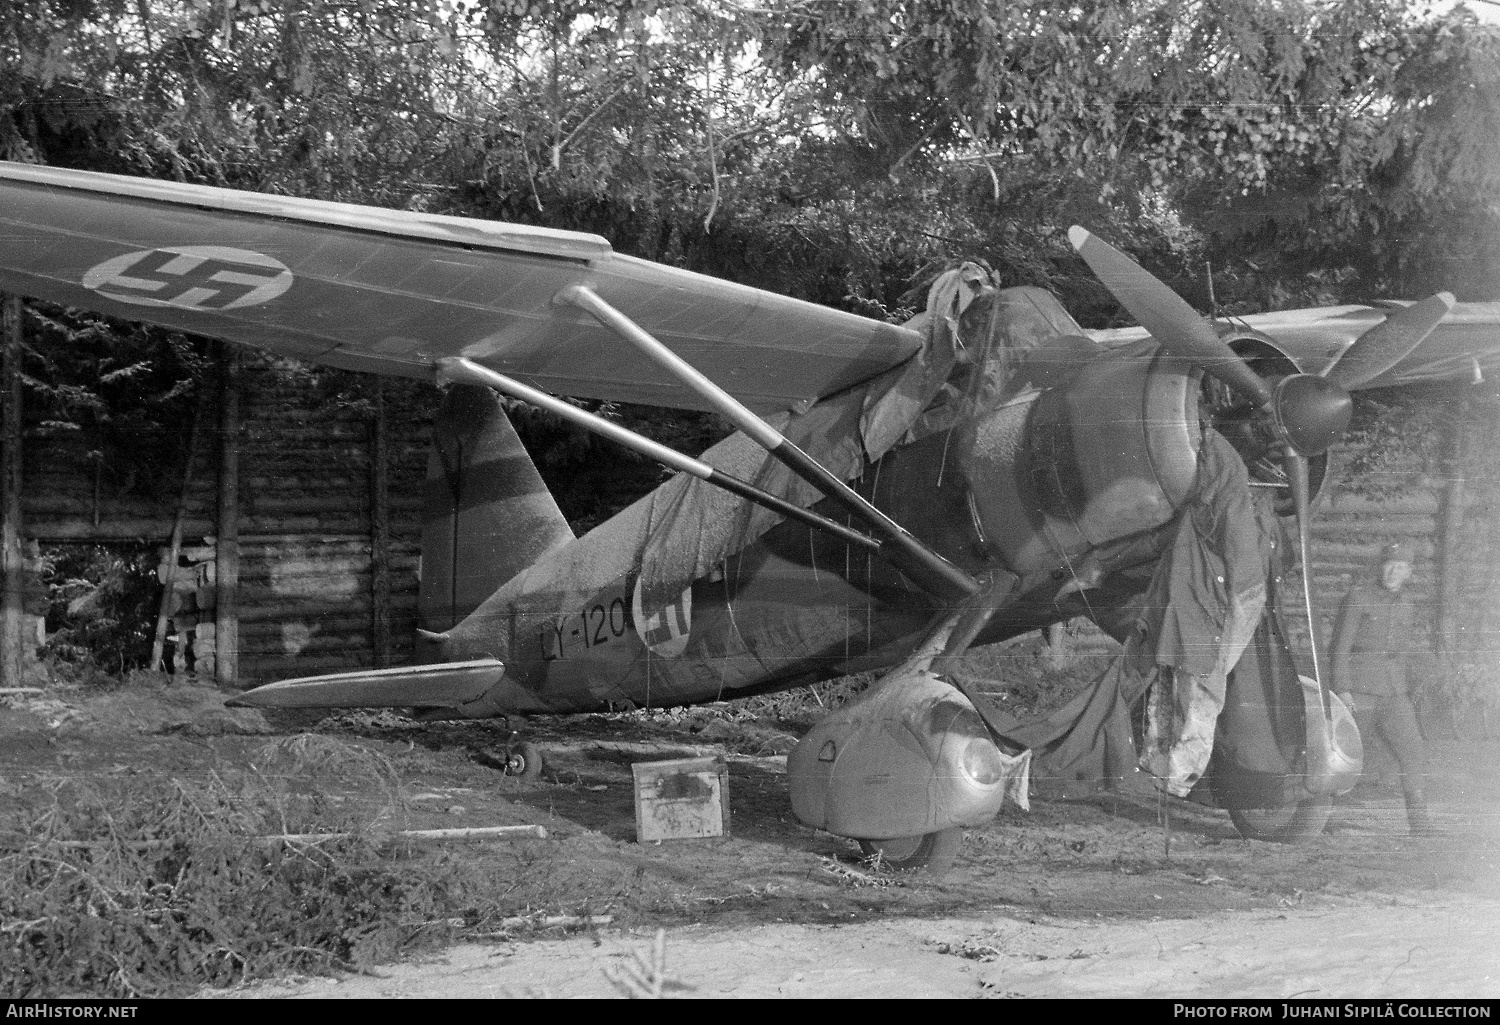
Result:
[[12, 561], [227, 544], [380, 531], [174, 546]]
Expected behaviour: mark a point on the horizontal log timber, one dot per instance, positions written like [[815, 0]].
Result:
[[130, 530], [289, 550], [74, 498], [332, 589], [303, 480], [317, 644], [306, 642], [269, 619], [274, 544], [63, 487], [265, 668], [1361, 547], [279, 517], [275, 524], [296, 572], [262, 604], [328, 625], [81, 527], [1422, 501], [294, 563], [345, 455], [251, 539], [333, 494], [331, 500], [284, 556], [281, 431], [1340, 527], [313, 445]]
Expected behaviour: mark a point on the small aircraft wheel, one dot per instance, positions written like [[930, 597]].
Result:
[[933, 852], [524, 763], [1291, 823]]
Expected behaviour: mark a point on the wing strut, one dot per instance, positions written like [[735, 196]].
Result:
[[927, 568], [468, 372]]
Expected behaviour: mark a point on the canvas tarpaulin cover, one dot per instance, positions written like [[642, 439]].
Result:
[[1087, 744]]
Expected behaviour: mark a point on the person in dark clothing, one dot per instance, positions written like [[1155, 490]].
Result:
[[1371, 643]]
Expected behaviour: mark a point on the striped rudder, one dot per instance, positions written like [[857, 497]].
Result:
[[487, 515]]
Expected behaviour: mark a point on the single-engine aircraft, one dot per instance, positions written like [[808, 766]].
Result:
[[893, 495]]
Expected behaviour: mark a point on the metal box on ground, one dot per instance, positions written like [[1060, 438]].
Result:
[[681, 798]]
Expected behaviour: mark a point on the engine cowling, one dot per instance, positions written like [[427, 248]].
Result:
[[1111, 454]]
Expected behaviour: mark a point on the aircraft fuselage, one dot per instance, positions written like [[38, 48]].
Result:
[[1029, 487]]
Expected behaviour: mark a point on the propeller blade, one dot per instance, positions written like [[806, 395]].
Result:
[[1296, 474], [1174, 324], [1389, 342]]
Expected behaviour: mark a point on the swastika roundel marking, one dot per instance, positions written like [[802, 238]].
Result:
[[190, 278], [664, 632]]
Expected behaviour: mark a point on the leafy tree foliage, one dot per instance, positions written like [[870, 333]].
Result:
[[1324, 135], [102, 607], [335, 100], [830, 149]]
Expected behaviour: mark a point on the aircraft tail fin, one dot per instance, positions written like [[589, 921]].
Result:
[[486, 515]]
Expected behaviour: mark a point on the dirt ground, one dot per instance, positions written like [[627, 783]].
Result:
[[1080, 898]]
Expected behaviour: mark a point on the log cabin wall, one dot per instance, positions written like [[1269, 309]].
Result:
[[310, 513], [1348, 532], [307, 512], [1430, 517]]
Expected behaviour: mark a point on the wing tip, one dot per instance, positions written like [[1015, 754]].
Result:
[[1079, 237]]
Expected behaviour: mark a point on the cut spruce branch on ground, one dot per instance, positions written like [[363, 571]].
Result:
[[276, 861], [460, 833]]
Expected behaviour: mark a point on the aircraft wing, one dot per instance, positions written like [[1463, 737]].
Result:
[[392, 292], [1466, 341]]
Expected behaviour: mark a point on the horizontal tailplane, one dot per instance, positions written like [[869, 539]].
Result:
[[447, 684]]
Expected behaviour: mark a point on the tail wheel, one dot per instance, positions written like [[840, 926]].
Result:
[[524, 762], [933, 852], [1291, 823]]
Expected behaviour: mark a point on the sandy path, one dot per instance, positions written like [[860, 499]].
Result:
[[1394, 947]]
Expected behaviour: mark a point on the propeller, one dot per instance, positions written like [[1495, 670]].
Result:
[[1306, 413]]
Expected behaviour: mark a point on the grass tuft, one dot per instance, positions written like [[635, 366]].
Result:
[[146, 888]]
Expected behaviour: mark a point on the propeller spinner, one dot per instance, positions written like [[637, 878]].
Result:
[[1306, 413]]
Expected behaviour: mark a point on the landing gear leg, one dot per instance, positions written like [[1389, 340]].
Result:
[[515, 758], [933, 852], [523, 759]]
